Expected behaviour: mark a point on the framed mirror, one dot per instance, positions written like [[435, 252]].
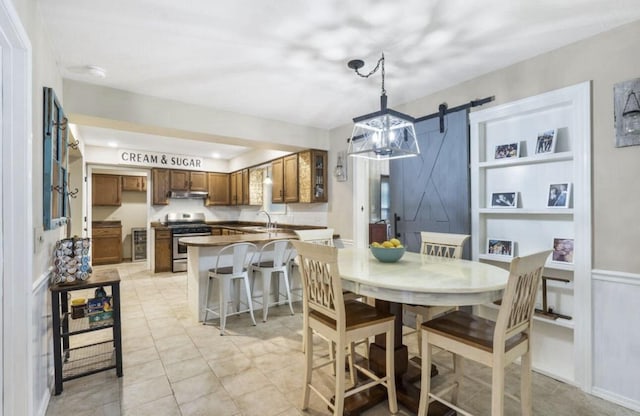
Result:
[[55, 185]]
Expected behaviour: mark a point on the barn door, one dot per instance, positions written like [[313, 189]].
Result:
[[430, 192]]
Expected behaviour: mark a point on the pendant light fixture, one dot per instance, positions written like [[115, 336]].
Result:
[[385, 134]]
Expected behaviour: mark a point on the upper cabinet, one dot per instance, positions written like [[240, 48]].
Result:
[[239, 187], [160, 178], [134, 183], [285, 179], [184, 180], [245, 186], [312, 176], [218, 189], [106, 190]]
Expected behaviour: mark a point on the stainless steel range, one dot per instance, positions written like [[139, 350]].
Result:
[[184, 224]]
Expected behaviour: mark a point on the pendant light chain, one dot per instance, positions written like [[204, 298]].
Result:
[[374, 70]]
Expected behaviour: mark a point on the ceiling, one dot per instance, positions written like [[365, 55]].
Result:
[[286, 59]]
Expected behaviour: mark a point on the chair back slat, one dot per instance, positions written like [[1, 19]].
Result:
[[321, 281], [280, 251], [519, 297], [242, 255], [443, 244]]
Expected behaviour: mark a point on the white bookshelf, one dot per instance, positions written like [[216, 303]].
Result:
[[531, 225]]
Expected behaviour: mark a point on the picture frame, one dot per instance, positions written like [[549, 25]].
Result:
[[559, 195], [562, 250], [546, 142], [507, 151], [504, 200], [497, 247]]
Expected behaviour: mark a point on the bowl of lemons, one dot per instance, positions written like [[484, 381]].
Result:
[[388, 251]]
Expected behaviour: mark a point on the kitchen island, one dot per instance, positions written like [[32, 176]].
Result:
[[202, 253]]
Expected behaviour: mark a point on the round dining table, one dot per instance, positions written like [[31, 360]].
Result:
[[420, 280]]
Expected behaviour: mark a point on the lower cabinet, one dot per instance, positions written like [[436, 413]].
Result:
[[107, 242], [162, 247]]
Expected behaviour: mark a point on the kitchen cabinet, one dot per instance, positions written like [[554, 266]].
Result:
[[218, 189], [106, 242], [245, 186], [160, 178], [85, 358], [162, 250], [285, 179], [134, 183], [239, 185], [185, 180], [106, 190], [312, 176]]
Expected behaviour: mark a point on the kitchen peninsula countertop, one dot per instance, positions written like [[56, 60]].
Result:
[[224, 240]]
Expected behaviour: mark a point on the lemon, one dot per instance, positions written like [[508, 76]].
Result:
[[387, 244], [374, 244], [395, 242]]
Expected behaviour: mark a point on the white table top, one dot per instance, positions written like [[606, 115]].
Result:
[[420, 279]]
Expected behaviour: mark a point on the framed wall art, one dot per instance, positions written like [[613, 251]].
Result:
[[562, 250], [507, 151], [504, 200], [497, 247], [546, 142], [626, 112], [559, 195]]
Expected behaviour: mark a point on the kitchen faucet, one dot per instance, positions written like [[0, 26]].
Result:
[[268, 225]]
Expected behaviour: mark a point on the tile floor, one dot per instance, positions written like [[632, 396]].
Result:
[[175, 366]]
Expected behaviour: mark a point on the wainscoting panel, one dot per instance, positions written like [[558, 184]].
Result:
[[42, 344], [616, 337]]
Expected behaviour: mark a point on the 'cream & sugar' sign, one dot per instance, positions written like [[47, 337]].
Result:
[[159, 160]]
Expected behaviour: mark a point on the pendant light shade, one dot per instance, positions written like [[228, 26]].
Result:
[[385, 134]]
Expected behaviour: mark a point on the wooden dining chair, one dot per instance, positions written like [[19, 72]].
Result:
[[343, 323], [273, 258], [240, 255], [440, 245], [494, 344]]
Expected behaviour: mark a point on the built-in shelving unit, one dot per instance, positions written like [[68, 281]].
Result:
[[561, 345]]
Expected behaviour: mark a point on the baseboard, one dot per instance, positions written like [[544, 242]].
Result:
[[615, 398], [44, 404]]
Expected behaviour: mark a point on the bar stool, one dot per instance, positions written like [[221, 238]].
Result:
[[242, 255], [273, 258]]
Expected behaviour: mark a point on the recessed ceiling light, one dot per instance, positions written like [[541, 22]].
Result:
[[113, 144], [96, 71], [215, 155]]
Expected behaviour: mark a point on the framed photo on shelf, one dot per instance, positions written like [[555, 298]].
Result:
[[562, 250], [546, 142], [559, 195], [504, 200], [500, 247], [507, 151]]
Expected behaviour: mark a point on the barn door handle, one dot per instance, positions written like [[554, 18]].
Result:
[[396, 218]]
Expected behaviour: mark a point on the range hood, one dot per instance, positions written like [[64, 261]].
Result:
[[188, 194]]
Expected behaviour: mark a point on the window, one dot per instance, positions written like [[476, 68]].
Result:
[[55, 160], [385, 199]]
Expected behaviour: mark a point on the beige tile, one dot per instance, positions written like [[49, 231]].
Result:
[[144, 392], [173, 341], [187, 368], [267, 401], [140, 356], [179, 353], [245, 382], [217, 403], [232, 364], [195, 387], [142, 372], [165, 406]]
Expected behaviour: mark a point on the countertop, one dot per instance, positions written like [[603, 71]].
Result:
[[105, 224], [224, 240]]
